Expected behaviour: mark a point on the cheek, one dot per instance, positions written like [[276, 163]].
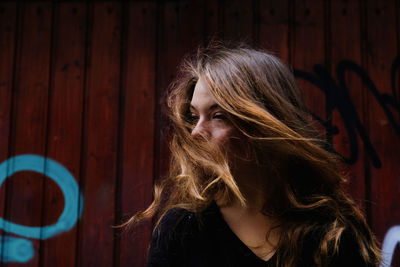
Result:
[[221, 137], [227, 138]]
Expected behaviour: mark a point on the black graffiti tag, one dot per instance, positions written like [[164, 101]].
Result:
[[338, 97]]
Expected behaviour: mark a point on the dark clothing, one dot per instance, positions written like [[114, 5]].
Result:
[[180, 240]]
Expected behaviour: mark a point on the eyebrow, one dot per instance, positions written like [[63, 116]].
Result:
[[212, 107]]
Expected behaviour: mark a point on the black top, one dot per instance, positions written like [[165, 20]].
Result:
[[182, 239]]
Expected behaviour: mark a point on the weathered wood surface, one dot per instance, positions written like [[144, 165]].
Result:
[[84, 84]]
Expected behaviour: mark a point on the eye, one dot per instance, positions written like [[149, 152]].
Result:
[[192, 117], [219, 116]]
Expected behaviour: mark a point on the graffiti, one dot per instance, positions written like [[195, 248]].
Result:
[[20, 249], [392, 238], [338, 97], [16, 249]]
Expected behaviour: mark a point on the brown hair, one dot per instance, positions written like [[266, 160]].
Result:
[[263, 101]]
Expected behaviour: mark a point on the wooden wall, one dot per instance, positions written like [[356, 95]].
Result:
[[82, 84]]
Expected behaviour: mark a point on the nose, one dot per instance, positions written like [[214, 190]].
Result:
[[200, 130]]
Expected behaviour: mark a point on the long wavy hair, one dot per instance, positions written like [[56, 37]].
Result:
[[303, 181]]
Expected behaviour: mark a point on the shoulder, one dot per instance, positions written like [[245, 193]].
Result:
[[349, 252], [170, 237], [174, 223]]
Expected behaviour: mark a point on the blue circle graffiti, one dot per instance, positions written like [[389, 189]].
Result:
[[18, 249]]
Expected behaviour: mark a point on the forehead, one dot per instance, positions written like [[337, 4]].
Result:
[[202, 97]]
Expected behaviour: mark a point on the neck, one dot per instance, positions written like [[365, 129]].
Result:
[[251, 181]]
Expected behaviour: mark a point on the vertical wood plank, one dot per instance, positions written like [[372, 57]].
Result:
[[137, 127], [274, 27], [8, 14], [238, 20], [212, 18], [8, 28], [381, 50], [347, 99], [25, 189], [96, 236], [177, 21], [308, 48], [65, 122]]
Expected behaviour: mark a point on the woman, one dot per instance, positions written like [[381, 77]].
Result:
[[250, 183]]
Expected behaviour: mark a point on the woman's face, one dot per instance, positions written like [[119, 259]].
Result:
[[211, 122], [209, 119]]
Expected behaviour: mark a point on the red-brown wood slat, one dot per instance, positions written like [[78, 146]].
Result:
[[137, 147], [274, 27], [25, 189], [98, 180], [308, 49], [381, 49], [165, 69], [190, 28], [212, 27], [8, 17], [347, 98], [181, 29], [238, 21], [65, 123]]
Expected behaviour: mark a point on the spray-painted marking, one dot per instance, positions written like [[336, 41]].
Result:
[[16, 249], [21, 250], [392, 238], [338, 98]]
